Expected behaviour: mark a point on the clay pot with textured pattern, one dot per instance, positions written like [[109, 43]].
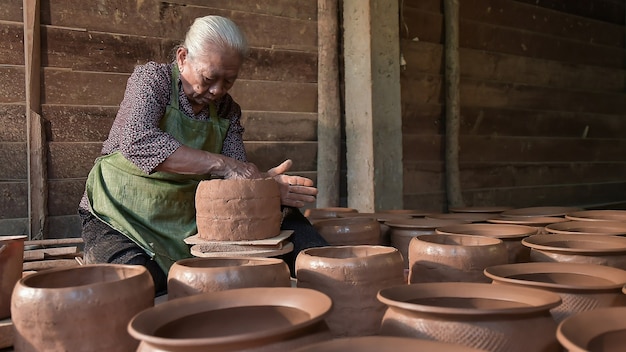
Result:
[[11, 265], [384, 343], [602, 329]]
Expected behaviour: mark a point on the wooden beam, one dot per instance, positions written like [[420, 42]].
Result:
[[36, 138], [328, 106]]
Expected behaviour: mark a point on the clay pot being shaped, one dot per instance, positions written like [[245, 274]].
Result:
[[468, 217], [79, 308], [540, 211], [402, 231], [11, 266], [610, 228], [597, 215], [602, 329], [478, 315], [480, 209], [349, 231], [440, 258], [383, 343], [593, 249], [385, 236], [199, 275], [539, 222], [511, 235], [581, 286], [351, 276], [250, 319]]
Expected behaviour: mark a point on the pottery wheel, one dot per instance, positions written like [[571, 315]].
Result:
[[234, 250]]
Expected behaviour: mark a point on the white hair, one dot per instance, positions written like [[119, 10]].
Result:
[[217, 31]]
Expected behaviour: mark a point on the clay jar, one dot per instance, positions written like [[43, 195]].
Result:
[[316, 214], [581, 286], [383, 343], [79, 308], [250, 319], [11, 265], [349, 231], [351, 276], [539, 222], [593, 249], [611, 228], [402, 232], [478, 315], [468, 217], [384, 238], [438, 258], [511, 235], [602, 329], [198, 275], [540, 211]]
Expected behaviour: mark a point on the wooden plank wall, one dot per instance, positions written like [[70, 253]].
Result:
[[543, 109], [88, 52]]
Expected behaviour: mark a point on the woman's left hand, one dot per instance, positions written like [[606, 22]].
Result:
[[295, 191]]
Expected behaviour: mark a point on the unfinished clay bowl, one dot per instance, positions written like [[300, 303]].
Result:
[[511, 235], [576, 227], [402, 231], [593, 249], [468, 217], [601, 329], [351, 276], [478, 315], [383, 343], [581, 286], [349, 231], [480, 209], [439, 258], [385, 236], [199, 275], [250, 319], [598, 215], [540, 211], [80, 308], [539, 222], [11, 265]]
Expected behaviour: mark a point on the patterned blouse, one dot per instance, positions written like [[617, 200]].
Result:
[[135, 132]]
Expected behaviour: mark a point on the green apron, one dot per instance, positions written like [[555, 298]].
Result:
[[156, 211]]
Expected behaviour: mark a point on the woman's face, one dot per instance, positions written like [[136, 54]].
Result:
[[207, 77]]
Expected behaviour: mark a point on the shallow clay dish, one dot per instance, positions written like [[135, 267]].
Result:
[[478, 209], [613, 228], [602, 329], [540, 211], [384, 343], [598, 215]]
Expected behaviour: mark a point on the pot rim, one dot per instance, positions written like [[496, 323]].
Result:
[[480, 209], [534, 299], [381, 342], [379, 251], [598, 215], [576, 331], [292, 297], [502, 273], [12, 238], [611, 228], [540, 211], [484, 240], [489, 230], [423, 223], [603, 244], [529, 221], [189, 263], [132, 272]]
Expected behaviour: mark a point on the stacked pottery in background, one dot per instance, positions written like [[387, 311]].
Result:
[[200, 275], [351, 276], [11, 265]]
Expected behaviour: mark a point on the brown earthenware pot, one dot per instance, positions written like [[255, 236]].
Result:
[[581, 286], [329, 212], [611, 228], [468, 217], [602, 329], [80, 308], [402, 231], [384, 343], [250, 319], [511, 235], [351, 276], [478, 315], [597, 215], [414, 213], [11, 265], [538, 222], [349, 231], [199, 275], [593, 249], [385, 236], [540, 211], [439, 258]]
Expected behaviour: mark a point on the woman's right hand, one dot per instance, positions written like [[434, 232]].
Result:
[[234, 169]]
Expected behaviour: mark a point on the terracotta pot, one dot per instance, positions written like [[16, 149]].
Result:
[[351, 276], [468, 217], [324, 213], [601, 329], [480, 209], [349, 231], [384, 343], [540, 211], [11, 265], [79, 308], [385, 233], [199, 275], [402, 232], [410, 212], [603, 250], [250, 319], [611, 228], [439, 258], [598, 215], [581, 286], [484, 316], [511, 235], [538, 222]]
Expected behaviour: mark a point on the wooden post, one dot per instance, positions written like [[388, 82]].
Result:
[[328, 106], [36, 137], [452, 104]]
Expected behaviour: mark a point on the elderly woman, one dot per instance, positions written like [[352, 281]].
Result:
[[177, 125]]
